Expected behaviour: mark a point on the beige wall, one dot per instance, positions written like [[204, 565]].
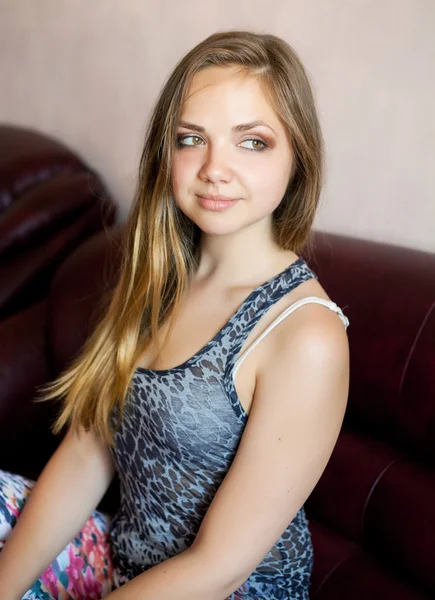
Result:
[[88, 72]]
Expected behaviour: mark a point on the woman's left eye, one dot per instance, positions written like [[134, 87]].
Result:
[[181, 142], [264, 145]]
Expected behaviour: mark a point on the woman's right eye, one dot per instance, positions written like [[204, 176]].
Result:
[[181, 140]]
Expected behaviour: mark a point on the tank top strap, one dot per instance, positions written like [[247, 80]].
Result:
[[257, 304]]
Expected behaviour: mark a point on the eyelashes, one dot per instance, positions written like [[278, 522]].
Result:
[[181, 137]]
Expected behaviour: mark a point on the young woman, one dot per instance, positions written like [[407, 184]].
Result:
[[216, 383]]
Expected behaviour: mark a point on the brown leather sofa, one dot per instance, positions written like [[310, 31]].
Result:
[[372, 514], [51, 201]]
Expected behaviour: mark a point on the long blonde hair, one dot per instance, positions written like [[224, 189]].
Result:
[[159, 243]]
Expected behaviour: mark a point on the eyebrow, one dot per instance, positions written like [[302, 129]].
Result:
[[241, 127]]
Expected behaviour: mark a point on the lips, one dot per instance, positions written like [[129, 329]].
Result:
[[216, 205], [217, 198]]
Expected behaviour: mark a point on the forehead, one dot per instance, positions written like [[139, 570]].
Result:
[[224, 92]]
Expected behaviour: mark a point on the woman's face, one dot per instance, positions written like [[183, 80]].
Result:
[[252, 166]]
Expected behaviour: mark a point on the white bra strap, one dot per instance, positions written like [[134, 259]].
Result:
[[328, 303]]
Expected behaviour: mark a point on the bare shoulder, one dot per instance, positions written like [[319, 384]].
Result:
[[310, 334]]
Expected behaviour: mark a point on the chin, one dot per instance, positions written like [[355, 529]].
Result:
[[211, 226], [215, 229]]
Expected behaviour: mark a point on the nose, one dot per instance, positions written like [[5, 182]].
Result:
[[216, 165]]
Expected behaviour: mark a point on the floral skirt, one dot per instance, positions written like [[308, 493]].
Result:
[[84, 570]]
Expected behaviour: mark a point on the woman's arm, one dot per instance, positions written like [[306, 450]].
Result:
[[67, 491], [185, 576]]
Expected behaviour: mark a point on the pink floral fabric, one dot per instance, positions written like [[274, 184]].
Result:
[[84, 570]]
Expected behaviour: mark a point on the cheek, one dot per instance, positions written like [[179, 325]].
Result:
[[269, 178], [182, 169]]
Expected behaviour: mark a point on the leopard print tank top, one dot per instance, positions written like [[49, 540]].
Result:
[[177, 439]]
